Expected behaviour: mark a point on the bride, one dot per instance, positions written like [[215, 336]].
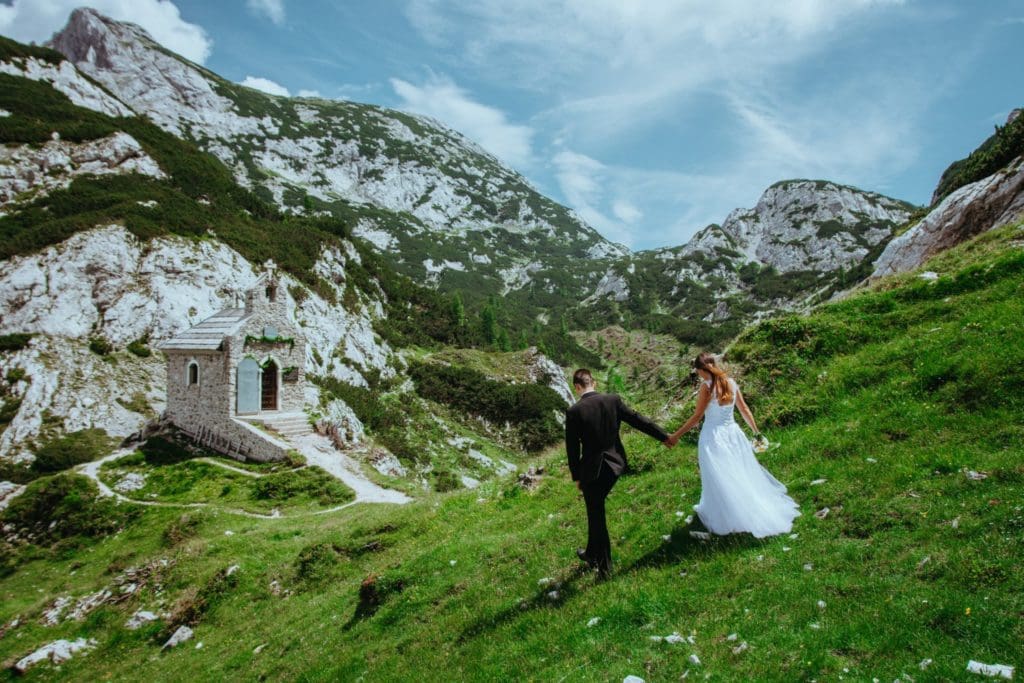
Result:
[[737, 493]]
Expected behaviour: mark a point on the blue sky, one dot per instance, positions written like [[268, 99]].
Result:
[[651, 119]]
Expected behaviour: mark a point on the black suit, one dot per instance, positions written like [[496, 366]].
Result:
[[597, 458]]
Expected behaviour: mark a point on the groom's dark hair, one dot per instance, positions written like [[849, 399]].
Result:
[[583, 378]]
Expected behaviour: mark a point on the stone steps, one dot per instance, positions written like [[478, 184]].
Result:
[[290, 426]]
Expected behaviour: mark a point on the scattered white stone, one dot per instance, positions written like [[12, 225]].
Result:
[[821, 604], [666, 537], [553, 595], [929, 275], [133, 481], [546, 581], [955, 523], [680, 513], [674, 638], [794, 536], [56, 652], [632, 679], [786, 548], [656, 639], [818, 482], [682, 573], [258, 649], [741, 648], [199, 645], [975, 476], [594, 621], [925, 663], [453, 562], [732, 636], [760, 558], [822, 513], [991, 670], [925, 560], [88, 603], [870, 460], [694, 659], [815, 626], [232, 569], [51, 617], [808, 567], [689, 519], [139, 619], [229, 532], [183, 634]]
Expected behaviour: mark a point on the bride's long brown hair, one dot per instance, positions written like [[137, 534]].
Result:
[[719, 379]]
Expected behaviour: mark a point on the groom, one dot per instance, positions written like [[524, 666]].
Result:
[[597, 458]]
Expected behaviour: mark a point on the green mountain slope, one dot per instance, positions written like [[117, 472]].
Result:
[[896, 410]]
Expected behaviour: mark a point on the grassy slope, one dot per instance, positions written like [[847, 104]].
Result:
[[900, 583]]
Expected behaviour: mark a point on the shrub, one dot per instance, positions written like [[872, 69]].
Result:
[[74, 448], [159, 450], [445, 481], [66, 506], [312, 481], [139, 348], [14, 342], [183, 528], [531, 408], [100, 346], [316, 563]]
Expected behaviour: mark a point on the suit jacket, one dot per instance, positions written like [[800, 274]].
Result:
[[592, 434]]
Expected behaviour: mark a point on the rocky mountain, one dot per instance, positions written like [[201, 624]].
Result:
[[116, 235], [446, 211], [803, 239]]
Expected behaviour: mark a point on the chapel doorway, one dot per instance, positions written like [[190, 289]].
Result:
[[248, 387], [269, 393]]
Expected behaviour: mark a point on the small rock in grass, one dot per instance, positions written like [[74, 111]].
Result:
[[694, 659], [232, 569], [229, 532], [821, 604], [741, 648], [666, 538], [925, 663], [818, 482], [58, 651], [975, 476], [199, 645], [632, 679], [822, 513], [991, 670], [258, 649], [553, 595], [955, 523], [139, 619], [674, 638], [815, 626], [546, 581], [732, 636], [689, 518], [594, 621], [786, 548], [682, 574], [655, 639], [760, 558], [808, 567], [794, 536], [180, 636], [925, 560], [680, 513], [872, 460], [453, 562], [929, 275]]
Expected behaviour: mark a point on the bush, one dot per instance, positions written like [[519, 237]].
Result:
[[312, 481], [445, 481], [159, 450], [66, 506], [531, 408], [139, 348], [100, 346], [14, 342], [316, 563], [74, 448], [183, 528]]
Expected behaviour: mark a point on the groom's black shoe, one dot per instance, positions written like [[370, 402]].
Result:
[[582, 554]]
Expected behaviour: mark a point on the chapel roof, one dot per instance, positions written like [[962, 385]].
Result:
[[207, 335]]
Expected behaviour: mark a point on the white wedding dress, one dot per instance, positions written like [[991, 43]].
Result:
[[737, 493]]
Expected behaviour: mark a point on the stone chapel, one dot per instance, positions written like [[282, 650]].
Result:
[[235, 381]]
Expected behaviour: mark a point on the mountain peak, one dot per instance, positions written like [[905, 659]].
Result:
[[90, 37]]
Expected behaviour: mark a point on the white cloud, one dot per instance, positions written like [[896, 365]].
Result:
[[265, 85], [37, 20], [582, 180], [626, 211], [309, 93], [271, 9], [443, 100]]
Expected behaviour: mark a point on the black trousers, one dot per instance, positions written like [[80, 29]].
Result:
[[599, 546]]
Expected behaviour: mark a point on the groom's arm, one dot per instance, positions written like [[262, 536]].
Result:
[[572, 443], [641, 423]]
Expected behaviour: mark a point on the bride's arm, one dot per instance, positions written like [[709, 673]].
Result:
[[748, 416], [703, 398]]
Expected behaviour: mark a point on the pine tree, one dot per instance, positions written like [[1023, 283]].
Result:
[[504, 343], [458, 311], [489, 325], [524, 341]]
